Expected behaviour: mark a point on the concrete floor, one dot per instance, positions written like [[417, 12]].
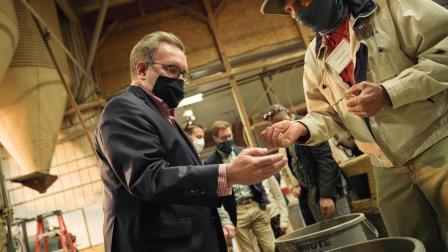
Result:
[[97, 248]]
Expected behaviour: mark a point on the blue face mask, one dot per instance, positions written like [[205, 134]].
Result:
[[323, 16]]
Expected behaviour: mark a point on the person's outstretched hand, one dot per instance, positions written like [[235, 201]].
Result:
[[284, 133], [252, 165]]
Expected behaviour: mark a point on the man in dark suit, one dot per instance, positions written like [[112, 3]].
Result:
[[158, 196], [249, 204]]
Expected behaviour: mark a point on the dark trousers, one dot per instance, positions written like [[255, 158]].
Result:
[[305, 208], [275, 224]]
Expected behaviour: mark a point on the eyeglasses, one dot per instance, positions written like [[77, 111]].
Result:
[[174, 71], [270, 115]]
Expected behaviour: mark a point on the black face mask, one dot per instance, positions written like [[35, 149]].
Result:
[[323, 16], [171, 91], [226, 147]]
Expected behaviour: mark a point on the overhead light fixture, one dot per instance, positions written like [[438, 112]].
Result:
[[191, 100], [188, 115]]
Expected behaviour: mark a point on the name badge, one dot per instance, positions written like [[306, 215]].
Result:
[[340, 57]]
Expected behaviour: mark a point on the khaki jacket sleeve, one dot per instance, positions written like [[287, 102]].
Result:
[[423, 35], [224, 216], [322, 120]]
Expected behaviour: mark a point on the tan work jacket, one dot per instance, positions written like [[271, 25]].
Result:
[[407, 54]]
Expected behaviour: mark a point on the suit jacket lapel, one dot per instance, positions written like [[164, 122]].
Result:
[[193, 151], [141, 94], [137, 91]]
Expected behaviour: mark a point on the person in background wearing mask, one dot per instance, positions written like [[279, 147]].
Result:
[[250, 216], [379, 69], [197, 137], [158, 195], [196, 134], [322, 186]]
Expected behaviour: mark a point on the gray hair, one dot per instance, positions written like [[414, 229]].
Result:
[[144, 49]]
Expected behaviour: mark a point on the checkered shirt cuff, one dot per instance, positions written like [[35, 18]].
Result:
[[223, 188]]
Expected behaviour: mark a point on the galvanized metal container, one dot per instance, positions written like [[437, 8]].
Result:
[[328, 234], [401, 244]]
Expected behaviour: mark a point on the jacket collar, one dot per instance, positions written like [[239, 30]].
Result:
[[140, 93], [356, 8], [137, 91]]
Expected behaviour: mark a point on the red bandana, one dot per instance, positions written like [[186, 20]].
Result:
[[332, 40]]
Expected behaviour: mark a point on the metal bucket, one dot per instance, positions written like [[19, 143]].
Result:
[[402, 244], [295, 217], [329, 234]]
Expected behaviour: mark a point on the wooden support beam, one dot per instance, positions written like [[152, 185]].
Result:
[[228, 68], [191, 12], [93, 47], [67, 8], [219, 8], [140, 7], [100, 103], [89, 6], [106, 33], [285, 58], [72, 136], [296, 109], [266, 88]]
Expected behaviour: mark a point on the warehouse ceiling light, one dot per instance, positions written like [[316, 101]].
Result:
[[191, 100]]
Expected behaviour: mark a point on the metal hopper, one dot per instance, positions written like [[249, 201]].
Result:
[[9, 34], [32, 99]]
